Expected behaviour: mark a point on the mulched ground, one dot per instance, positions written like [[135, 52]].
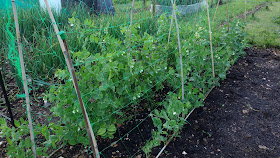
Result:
[[241, 118]]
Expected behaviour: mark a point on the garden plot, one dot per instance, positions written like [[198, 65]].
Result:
[[139, 77]]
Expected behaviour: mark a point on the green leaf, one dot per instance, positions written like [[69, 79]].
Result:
[[195, 90], [157, 121], [17, 123], [72, 142], [112, 128], [162, 138], [172, 123], [39, 151], [45, 131], [188, 105], [201, 96], [9, 141], [222, 75], [156, 112], [101, 131], [21, 120], [111, 136], [53, 144]]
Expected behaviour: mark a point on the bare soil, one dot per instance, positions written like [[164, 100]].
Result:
[[241, 118]]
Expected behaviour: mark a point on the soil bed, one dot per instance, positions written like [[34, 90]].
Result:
[[241, 118]]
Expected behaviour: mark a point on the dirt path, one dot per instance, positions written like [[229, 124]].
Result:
[[242, 117]]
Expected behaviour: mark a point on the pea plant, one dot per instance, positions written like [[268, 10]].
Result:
[[171, 118], [110, 80], [115, 72]]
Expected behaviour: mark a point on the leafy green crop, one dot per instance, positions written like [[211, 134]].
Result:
[[116, 72], [111, 79], [171, 119]]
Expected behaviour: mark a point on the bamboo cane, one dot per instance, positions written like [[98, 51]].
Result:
[[24, 78], [153, 7], [171, 23], [216, 10], [180, 52], [210, 37], [70, 66], [227, 16]]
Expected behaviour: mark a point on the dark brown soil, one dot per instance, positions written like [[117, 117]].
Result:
[[241, 118]]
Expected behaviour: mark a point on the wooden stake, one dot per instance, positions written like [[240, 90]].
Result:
[[70, 66], [210, 37], [227, 16], [171, 24], [153, 7], [131, 19], [24, 78], [180, 52], [216, 10]]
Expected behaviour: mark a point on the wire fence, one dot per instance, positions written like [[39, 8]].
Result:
[[140, 70]]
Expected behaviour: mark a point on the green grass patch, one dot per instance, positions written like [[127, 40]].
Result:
[[262, 29]]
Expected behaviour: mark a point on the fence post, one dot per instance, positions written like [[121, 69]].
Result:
[[67, 56], [24, 78]]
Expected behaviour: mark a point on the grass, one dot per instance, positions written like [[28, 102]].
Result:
[[262, 31], [235, 8]]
